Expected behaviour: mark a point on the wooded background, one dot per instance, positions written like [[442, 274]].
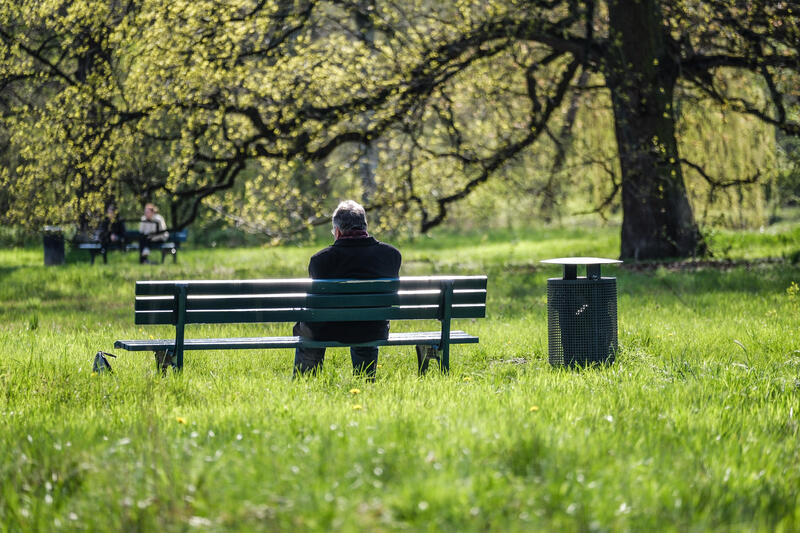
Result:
[[673, 117]]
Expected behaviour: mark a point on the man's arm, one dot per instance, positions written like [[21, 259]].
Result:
[[159, 227]]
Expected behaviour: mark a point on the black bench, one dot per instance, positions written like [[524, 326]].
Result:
[[168, 247], [180, 303]]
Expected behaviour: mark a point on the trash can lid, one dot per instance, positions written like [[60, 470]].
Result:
[[580, 261], [571, 265]]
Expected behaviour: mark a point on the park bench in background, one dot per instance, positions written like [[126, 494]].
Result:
[[180, 303], [168, 247]]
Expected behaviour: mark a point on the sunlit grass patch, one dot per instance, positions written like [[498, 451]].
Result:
[[695, 425]]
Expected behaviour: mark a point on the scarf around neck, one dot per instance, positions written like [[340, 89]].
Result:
[[354, 234]]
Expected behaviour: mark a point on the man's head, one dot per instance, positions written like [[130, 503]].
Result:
[[349, 216], [149, 211]]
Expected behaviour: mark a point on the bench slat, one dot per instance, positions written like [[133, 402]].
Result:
[[310, 315], [283, 301], [240, 343], [306, 285]]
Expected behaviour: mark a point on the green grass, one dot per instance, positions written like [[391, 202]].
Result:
[[695, 427]]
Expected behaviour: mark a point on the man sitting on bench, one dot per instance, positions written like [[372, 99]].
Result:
[[354, 255]]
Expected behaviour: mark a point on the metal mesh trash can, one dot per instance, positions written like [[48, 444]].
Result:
[[53, 245], [581, 314]]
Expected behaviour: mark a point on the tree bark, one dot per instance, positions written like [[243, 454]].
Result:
[[657, 218]]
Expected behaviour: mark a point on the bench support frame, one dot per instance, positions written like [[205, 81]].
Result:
[[180, 323], [443, 348], [447, 315]]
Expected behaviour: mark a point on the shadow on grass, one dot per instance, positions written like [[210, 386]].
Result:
[[6, 271]]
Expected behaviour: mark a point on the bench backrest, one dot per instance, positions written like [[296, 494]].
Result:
[[178, 236], [307, 300], [133, 235]]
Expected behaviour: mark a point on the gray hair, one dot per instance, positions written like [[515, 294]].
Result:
[[350, 215]]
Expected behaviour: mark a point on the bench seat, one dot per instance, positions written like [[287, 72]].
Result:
[[430, 338]]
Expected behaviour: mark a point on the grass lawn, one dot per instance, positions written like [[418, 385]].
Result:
[[695, 427]]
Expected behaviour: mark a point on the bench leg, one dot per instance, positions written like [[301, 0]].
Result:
[[165, 359], [172, 251], [425, 354]]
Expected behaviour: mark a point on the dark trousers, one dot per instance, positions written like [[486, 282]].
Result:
[[364, 358], [148, 241], [109, 244]]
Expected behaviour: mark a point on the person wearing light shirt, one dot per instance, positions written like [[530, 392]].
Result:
[[152, 229]]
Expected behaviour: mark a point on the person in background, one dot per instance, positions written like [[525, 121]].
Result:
[[355, 255], [112, 229], [152, 229]]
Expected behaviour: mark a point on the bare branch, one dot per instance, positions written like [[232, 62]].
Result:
[[721, 184], [536, 127]]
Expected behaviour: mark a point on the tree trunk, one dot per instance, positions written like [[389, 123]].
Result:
[[368, 152], [657, 219]]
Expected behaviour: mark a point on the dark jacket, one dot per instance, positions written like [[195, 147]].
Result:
[[110, 227], [362, 258]]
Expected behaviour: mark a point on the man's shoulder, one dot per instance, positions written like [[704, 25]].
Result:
[[388, 247], [350, 248], [321, 260], [322, 253]]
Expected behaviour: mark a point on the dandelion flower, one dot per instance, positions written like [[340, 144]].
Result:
[[534, 408], [180, 420], [94, 374], [467, 378], [355, 391], [357, 407]]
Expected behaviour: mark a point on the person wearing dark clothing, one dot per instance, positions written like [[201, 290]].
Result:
[[112, 229], [354, 255]]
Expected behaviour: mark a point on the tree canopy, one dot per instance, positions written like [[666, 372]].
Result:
[[260, 107]]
